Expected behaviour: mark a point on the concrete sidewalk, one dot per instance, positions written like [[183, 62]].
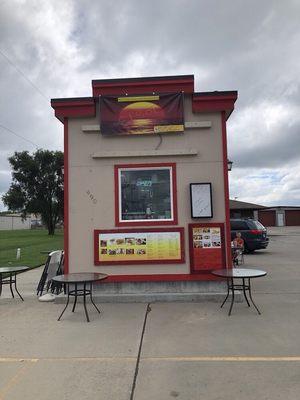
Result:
[[162, 350]]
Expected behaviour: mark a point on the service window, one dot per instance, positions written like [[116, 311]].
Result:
[[146, 194]]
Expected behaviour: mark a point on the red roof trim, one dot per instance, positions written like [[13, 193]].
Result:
[[74, 107], [173, 84], [218, 94], [201, 102], [145, 79], [214, 101]]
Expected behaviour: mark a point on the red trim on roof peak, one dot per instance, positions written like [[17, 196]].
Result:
[[224, 94], [79, 107], [157, 84], [143, 79], [214, 102], [75, 107]]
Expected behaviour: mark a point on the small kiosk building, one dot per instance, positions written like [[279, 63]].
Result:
[[146, 180]]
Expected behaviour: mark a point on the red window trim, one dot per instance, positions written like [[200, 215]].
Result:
[[150, 222], [141, 262]]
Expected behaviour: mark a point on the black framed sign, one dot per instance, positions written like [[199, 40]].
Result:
[[201, 200]]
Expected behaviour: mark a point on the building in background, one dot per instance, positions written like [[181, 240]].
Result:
[[241, 209], [14, 221], [268, 216], [280, 216]]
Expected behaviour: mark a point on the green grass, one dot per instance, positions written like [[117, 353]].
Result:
[[31, 243]]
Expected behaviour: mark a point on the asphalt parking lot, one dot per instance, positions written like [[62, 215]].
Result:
[[160, 350]]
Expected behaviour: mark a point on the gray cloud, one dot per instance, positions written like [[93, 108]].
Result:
[[62, 46], [280, 151]]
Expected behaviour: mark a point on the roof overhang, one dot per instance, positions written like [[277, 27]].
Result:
[[202, 102], [157, 84], [77, 107], [214, 102]]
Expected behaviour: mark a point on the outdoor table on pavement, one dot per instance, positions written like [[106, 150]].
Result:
[[10, 278], [85, 282], [239, 273]]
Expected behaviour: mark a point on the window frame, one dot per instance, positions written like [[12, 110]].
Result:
[[173, 194]]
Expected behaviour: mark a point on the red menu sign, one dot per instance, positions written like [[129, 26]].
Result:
[[207, 250]]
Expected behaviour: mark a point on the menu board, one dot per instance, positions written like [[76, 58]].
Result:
[[207, 237], [206, 246], [139, 247]]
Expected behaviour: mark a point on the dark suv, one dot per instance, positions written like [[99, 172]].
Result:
[[253, 233]]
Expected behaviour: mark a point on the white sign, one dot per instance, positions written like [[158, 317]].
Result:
[[201, 202]]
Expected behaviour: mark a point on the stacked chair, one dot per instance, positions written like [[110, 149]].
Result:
[[54, 266]]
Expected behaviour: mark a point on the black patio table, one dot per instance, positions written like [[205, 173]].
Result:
[[83, 286], [239, 273], [10, 277]]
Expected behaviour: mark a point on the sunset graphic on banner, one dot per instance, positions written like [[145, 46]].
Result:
[[138, 115]]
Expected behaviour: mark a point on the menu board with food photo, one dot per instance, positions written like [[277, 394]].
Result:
[[206, 246], [144, 246], [207, 237]]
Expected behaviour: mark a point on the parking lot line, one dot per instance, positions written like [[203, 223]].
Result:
[[226, 358], [191, 359], [14, 380], [15, 359]]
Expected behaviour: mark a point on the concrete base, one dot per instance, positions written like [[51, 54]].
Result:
[[151, 292]]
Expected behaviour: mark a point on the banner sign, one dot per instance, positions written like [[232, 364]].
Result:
[[207, 250], [140, 115], [139, 246]]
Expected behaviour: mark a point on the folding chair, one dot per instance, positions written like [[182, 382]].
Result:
[[53, 267]]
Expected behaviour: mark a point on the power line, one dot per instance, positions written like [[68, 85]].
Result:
[[20, 136], [24, 76], [33, 85]]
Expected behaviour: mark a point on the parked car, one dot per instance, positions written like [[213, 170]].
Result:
[[253, 233]]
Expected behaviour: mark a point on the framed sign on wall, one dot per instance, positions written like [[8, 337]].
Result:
[[139, 246], [207, 246], [201, 200]]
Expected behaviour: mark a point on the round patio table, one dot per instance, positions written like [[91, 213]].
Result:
[[81, 284], [245, 274], [10, 277]]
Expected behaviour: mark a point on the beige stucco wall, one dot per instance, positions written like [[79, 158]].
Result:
[[88, 176]]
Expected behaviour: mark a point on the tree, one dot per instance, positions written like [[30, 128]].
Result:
[[37, 186]]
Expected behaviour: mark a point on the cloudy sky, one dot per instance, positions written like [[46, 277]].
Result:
[[54, 48]]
